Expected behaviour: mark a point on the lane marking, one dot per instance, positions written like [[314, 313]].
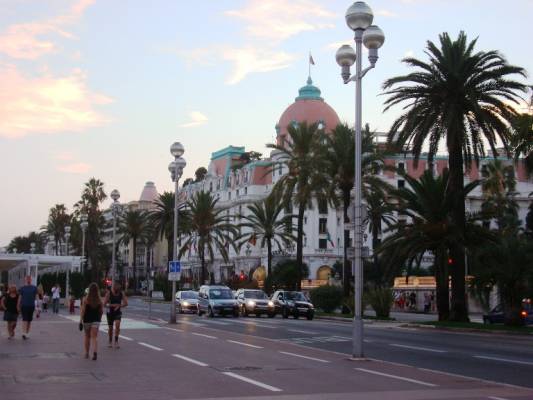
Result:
[[504, 360], [400, 378], [255, 324], [368, 341], [216, 322], [306, 357], [173, 329], [150, 346], [191, 323], [496, 398], [204, 335], [303, 331], [126, 338], [404, 346], [253, 382], [245, 344], [191, 360]]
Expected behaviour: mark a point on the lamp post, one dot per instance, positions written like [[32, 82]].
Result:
[[67, 283], [84, 224], [115, 195], [176, 171], [359, 18]]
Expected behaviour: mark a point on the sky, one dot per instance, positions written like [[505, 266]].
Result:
[[99, 88]]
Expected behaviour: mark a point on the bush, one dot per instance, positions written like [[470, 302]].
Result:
[[285, 275], [327, 297], [161, 283], [381, 301]]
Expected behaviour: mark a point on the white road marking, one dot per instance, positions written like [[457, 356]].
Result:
[[173, 329], [306, 357], [203, 335], [404, 346], [209, 321], [496, 398], [191, 323], [196, 362], [504, 360], [401, 378], [253, 382], [368, 341], [126, 338], [246, 344], [302, 331], [150, 346], [255, 324]]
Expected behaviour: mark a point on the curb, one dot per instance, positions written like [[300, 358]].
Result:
[[465, 330]]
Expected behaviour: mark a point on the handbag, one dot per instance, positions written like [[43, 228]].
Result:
[[80, 326]]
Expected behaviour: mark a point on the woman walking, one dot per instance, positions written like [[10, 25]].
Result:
[[91, 316], [11, 310]]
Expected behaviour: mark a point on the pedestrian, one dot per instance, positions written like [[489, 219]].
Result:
[[26, 305], [412, 300], [56, 295], [39, 301], [115, 300], [11, 310], [90, 317], [427, 302], [72, 302], [46, 300]]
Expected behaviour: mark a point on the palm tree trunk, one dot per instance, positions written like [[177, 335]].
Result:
[[459, 311], [442, 284], [134, 263], [299, 245], [269, 257], [202, 261], [347, 270]]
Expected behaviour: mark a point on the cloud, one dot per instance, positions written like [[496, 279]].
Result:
[[75, 168], [385, 13], [409, 54], [28, 41], [64, 156], [250, 60], [278, 20], [46, 104], [196, 119]]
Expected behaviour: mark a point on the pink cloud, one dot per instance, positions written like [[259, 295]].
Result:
[[46, 104], [26, 41], [75, 168]]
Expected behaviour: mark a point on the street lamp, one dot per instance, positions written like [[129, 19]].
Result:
[[67, 283], [84, 225], [359, 18], [176, 171], [115, 195]]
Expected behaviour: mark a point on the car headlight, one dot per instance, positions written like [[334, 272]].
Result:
[[311, 306], [290, 303], [271, 304], [251, 303], [185, 303]]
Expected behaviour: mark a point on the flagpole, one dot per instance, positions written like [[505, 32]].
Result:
[[309, 63]]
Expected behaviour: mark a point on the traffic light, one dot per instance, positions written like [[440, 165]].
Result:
[[241, 276], [450, 261], [107, 282]]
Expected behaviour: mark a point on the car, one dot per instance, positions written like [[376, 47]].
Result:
[[293, 303], [497, 315], [255, 301], [187, 301], [217, 300]]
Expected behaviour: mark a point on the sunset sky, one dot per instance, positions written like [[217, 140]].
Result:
[[102, 88]]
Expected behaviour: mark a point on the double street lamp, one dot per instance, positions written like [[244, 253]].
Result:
[[176, 171], [84, 224], [359, 18], [67, 283], [115, 195]]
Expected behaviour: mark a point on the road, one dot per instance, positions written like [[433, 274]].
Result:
[[221, 359], [495, 357]]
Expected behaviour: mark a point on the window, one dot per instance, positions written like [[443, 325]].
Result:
[[245, 191], [322, 206], [305, 241], [322, 225], [280, 169], [229, 195], [237, 193], [322, 243], [401, 183], [338, 221], [401, 168], [305, 220]]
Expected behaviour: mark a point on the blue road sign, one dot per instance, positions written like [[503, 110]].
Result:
[[174, 266]]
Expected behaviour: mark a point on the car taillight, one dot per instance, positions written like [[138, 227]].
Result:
[[523, 314]]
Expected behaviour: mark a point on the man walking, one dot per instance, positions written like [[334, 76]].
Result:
[[26, 305], [56, 295]]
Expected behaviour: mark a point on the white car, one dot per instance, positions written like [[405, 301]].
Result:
[[187, 301]]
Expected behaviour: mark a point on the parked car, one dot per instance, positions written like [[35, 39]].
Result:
[[293, 303], [217, 300], [187, 301], [497, 315], [254, 301]]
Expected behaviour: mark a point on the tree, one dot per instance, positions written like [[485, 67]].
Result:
[[200, 174], [287, 275], [428, 205], [133, 227], [210, 229], [58, 219], [23, 243], [380, 212], [304, 157], [266, 223], [522, 140], [461, 97], [187, 182]]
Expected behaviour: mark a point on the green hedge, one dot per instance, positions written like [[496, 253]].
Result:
[[381, 301], [327, 298]]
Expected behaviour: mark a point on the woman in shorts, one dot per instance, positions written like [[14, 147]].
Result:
[[11, 311], [91, 316]]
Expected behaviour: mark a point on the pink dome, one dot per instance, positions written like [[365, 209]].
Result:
[[309, 107]]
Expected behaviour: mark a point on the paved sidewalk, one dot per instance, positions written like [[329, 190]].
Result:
[[162, 362]]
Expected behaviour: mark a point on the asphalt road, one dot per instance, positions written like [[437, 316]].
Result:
[[494, 357]]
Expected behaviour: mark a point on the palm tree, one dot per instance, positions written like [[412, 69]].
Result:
[[23, 243], [461, 97], [133, 227], [58, 219], [306, 161], [380, 212], [210, 229], [428, 204], [522, 140], [268, 225]]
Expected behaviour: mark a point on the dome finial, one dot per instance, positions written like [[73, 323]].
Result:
[[309, 91]]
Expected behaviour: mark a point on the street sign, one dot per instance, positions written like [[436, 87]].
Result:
[[174, 270], [350, 252]]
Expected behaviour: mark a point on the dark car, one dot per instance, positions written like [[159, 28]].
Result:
[[293, 303], [217, 300], [254, 301], [497, 315], [187, 301]]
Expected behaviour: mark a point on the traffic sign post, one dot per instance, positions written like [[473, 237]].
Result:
[[174, 270]]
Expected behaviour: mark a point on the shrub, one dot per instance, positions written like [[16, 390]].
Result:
[[381, 301], [327, 297], [285, 275], [161, 283]]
